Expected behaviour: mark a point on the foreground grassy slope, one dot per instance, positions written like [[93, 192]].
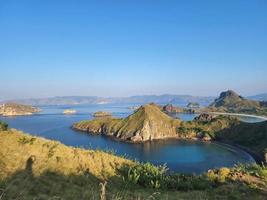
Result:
[[36, 168]]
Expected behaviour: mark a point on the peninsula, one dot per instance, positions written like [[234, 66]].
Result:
[[13, 109]]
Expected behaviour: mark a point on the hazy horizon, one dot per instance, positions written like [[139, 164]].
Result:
[[214, 96], [127, 48]]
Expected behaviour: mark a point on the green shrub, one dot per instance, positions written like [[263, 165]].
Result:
[[148, 175], [186, 182], [3, 126], [219, 175]]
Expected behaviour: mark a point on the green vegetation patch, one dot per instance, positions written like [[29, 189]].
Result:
[[3, 126]]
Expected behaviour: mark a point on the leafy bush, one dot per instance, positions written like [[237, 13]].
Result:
[[219, 175], [3, 126], [186, 182], [151, 176], [147, 175]]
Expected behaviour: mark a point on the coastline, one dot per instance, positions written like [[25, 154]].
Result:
[[256, 158], [238, 114]]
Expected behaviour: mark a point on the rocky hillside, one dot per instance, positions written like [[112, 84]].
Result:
[[146, 123], [251, 136], [229, 101], [13, 109]]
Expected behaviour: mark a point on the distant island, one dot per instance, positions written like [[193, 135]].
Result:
[[69, 111], [13, 109], [229, 101], [102, 114]]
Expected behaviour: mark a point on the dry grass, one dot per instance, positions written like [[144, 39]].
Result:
[[36, 168], [17, 148]]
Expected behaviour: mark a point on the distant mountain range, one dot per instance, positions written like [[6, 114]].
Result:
[[141, 99], [259, 97]]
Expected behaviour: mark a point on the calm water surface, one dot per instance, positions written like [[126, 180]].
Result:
[[180, 156]]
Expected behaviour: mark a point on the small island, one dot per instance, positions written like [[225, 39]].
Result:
[[13, 109], [194, 105], [102, 114], [69, 112], [171, 109]]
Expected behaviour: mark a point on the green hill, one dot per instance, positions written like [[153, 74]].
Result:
[[229, 101], [251, 136], [146, 123]]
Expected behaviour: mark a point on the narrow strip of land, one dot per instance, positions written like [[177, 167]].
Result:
[[238, 114]]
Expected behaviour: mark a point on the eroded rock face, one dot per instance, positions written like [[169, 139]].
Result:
[[12, 109]]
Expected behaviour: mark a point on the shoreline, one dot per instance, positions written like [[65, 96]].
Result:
[[238, 114], [256, 158]]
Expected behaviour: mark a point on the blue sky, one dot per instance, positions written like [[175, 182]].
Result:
[[130, 47]]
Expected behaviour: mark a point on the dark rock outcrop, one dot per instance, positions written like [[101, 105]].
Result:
[[204, 117], [169, 108]]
